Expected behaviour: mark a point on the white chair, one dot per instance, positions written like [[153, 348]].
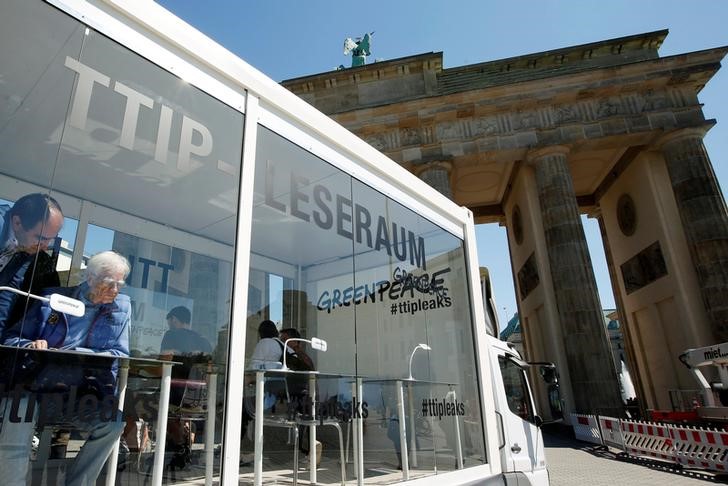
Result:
[[284, 414]]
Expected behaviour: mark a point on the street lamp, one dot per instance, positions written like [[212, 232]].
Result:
[[419, 346]]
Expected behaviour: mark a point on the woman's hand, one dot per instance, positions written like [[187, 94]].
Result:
[[38, 344]]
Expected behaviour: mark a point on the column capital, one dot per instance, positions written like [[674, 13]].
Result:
[[438, 164], [681, 134], [534, 155]]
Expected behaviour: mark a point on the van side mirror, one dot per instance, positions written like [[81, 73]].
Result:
[[549, 374], [537, 421]]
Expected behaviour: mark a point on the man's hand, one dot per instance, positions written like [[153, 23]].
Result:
[[38, 344]]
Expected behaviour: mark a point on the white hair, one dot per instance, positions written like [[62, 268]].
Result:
[[106, 263]]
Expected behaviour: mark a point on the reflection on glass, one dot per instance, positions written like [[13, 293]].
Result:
[[149, 166], [376, 281]]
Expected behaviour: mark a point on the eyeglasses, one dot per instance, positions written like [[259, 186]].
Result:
[[110, 282]]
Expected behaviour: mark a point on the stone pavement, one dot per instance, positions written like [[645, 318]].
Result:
[[573, 463]]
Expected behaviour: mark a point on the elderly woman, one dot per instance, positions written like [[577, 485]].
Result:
[[104, 328]]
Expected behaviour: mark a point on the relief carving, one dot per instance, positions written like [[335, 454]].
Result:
[[448, 130], [485, 126], [566, 114], [654, 101], [410, 136], [609, 107], [525, 120]]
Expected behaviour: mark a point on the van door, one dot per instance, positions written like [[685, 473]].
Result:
[[523, 444]]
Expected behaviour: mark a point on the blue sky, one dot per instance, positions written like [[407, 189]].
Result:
[[291, 38]]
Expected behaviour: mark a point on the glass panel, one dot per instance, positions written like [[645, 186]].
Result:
[[301, 259], [415, 324], [516, 387], [150, 167], [34, 91], [387, 290]]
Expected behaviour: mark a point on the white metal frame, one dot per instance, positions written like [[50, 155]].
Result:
[[156, 34]]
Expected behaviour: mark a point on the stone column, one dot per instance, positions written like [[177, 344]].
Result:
[[437, 175], [704, 218], [624, 325], [586, 344]]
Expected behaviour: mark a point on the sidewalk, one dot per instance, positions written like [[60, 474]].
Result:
[[576, 463]]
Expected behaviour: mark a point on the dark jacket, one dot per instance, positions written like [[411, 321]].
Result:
[[21, 274]]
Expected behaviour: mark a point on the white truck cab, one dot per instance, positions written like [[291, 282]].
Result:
[[521, 445]]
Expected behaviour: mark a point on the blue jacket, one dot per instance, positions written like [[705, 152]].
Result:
[[103, 328], [16, 274]]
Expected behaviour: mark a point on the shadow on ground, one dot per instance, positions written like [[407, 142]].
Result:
[[562, 436]]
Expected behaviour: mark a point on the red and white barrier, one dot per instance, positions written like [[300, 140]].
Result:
[[703, 448], [586, 428], [690, 446], [611, 432], [647, 439]]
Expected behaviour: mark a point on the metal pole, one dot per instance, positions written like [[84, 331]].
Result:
[[413, 432], [258, 437], [158, 469], [402, 431], [210, 426], [312, 430], [114, 457]]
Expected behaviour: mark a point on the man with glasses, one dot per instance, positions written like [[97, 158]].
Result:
[[26, 230], [104, 328]]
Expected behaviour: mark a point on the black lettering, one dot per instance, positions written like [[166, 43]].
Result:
[[394, 290], [71, 402], [363, 221], [396, 244], [436, 284], [51, 405], [296, 195], [30, 409], [342, 216], [166, 267], [269, 196], [324, 303], [328, 220], [417, 253], [17, 392], [364, 410], [145, 273], [358, 292], [369, 294], [336, 299], [383, 287], [383, 236], [347, 296]]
